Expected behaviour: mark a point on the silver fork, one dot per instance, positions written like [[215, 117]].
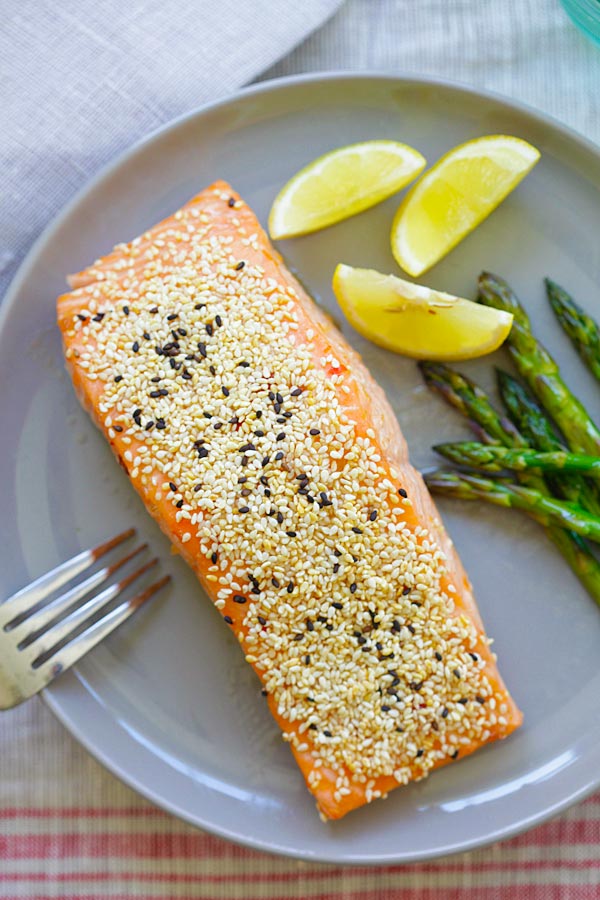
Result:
[[42, 635]]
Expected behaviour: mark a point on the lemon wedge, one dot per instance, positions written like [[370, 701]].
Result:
[[455, 195], [342, 183], [415, 320]]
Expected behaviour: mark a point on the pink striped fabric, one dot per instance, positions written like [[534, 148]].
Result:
[[70, 831]]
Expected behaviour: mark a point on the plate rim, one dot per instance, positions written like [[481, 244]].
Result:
[[114, 764]]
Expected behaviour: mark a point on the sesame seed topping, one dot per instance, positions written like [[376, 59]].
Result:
[[305, 559]]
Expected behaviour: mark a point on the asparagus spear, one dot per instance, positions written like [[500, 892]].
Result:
[[464, 395], [577, 325], [531, 420], [540, 371], [495, 459], [469, 399], [502, 493]]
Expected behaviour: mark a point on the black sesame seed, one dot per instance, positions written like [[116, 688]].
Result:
[[218, 321], [179, 504], [275, 582], [263, 480], [247, 447], [474, 657], [155, 394], [406, 591], [244, 509], [118, 378], [225, 391], [264, 692], [259, 433], [146, 336], [239, 598], [279, 397], [357, 530], [136, 413], [416, 685], [261, 620], [456, 673], [291, 533], [172, 485], [327, 733], [312, 726], [463, 701], [155, 380], [402, 492], [135, 346], [438, 656], [118, 428], [314, 432], [454, 754], [244, 364], [245, 492], [307, 659], [214, 556], [182, 332], [353, 587], [154, 310], [278, 456], [280, 518], [98, 317], [479, 698], [126, 310], [280, 436], [298, 637], [202, 452], [231, 202], [419, 753], [337, 552], [372, 515], [202, 349], [228, 619], [411, 628], [290, 587], [240, 265], [337, 605], [217, 426], [310, 625], [445, 712], [361, 639], [296, 392], [385, 708], [396, 626], [336, 568], [200, 306], [234, 420], [172, 316], [81, 317], [209, 329], [280, 420], [266, 460]]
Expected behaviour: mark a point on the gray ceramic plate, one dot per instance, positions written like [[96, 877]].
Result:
[[168, 704]]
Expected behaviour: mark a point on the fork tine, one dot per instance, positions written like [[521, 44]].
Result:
[[55, 663], [46, 584], [41, 644], [27, 627]]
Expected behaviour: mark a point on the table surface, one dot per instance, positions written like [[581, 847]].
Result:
[[68, 829]]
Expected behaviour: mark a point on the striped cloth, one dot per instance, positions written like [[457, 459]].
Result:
[[68, 829]]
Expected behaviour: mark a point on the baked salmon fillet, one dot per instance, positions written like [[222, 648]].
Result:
[[272, 461]]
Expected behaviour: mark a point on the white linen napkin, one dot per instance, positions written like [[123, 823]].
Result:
[[80, 81]]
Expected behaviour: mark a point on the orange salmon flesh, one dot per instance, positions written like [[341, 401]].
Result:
[[272, 461]]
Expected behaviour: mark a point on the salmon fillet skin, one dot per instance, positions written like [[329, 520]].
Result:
[[272, 461]]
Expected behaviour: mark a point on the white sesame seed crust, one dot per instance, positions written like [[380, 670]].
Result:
[[246, 427]]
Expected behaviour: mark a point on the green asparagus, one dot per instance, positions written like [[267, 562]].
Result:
[[533, 423], [496, 459], [464, 395], [502, 493], [577, 325], [468, 398], [540, 371]]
